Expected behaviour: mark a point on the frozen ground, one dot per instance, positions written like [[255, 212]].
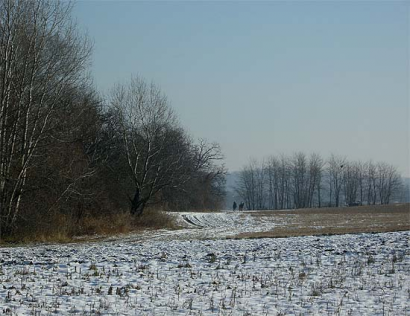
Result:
[[363, 274], [218, 225], [282, 223]]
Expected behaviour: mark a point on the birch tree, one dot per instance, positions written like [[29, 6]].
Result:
[[41, 53]]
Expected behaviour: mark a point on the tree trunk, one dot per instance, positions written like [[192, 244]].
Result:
[[137, 204]]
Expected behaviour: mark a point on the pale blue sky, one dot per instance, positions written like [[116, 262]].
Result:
[[273, 77]]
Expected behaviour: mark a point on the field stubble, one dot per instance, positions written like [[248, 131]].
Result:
[[325, 221]]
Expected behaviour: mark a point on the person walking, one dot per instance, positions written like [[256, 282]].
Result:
[[234, 205]]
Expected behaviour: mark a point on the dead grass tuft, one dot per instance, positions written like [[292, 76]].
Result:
[[155, 218], [105, 225]]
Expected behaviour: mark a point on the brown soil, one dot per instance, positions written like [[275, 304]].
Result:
[[343, 220]]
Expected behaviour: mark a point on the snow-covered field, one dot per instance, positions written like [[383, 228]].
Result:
[[363, 274]]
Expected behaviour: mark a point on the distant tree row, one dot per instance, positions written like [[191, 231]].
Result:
[[67, 154], [301, 181]]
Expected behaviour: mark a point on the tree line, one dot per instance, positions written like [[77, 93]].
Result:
[[302, 181], [66, 153]]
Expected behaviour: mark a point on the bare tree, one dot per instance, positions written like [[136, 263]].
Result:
[[41, 54], [209, 173], [285, 192], [246, 187], [371, 182], [300, 179], [260, 186], [157, 151], [251, 185], [205, 190], [316, 165], [272, 178], [69, 159], [297, 181], [335, 177], [293, 182], [350, 182], [388, 182], [361, 171]]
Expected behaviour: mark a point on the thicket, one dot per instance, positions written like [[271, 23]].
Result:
[[72, 162]]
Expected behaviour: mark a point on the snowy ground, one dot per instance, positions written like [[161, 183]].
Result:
[[228, 224], [218, 225], [363, 274]]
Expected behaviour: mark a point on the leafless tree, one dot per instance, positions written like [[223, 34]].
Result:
[[300, 179], [251, 186], [306, 175], [209, 173], [285, 192], [280, 176], [388, 182], [297, 181], [41, 54], [154, 145], [316, 165], [371, 182], [335, 177], [205, 190], [205, 156], [361, 171], [260, 186], [350, 182], [272, 177]]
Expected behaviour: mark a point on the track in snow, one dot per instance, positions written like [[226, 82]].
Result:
[[200, 225], [215, 220]]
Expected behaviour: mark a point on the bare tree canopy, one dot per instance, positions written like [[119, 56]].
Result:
[[300, 181], [158, 152]]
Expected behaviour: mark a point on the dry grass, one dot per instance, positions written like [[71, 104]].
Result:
[[322, 221], [124, 223], [105, 225], [155, 218], [62, 228]]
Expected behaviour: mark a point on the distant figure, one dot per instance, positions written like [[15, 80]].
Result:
[[241, 206], [234, 206]]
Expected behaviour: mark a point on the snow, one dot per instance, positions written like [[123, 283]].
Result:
[[362, 274], [201, 225]]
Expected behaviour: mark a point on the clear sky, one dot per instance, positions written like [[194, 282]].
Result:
[[263, 78]]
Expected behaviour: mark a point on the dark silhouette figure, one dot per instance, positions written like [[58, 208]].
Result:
[[234, 206], [241, 205]]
